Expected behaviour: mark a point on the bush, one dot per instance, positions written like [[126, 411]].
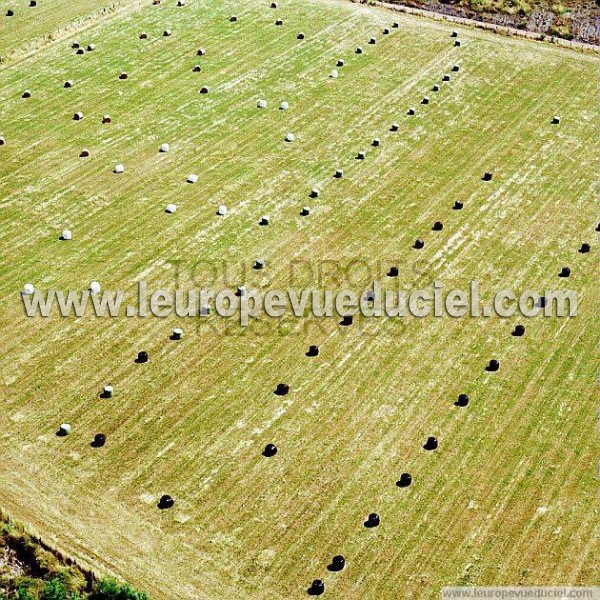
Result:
[[111, 589], [57, 589]]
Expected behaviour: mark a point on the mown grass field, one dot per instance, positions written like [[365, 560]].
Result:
[[510, 496]]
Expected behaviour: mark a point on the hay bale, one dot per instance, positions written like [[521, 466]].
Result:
[[431, 443], [66, 235], [259, 264], [446, 78], [435, 88], [376, 142], [120, 168], [313, 351], [32, 3], [106, 120], [305, 211], [284, 106], [438, 226], [457, 43], [222, 210], [68, 83], [518, 331], [201, 52], [98, 441], [171, 208], [347, 320], [584, 249], [26, 94], [262, 104], [340, 62], [300, 36], [91, 47], [196, 69], [155, 2], [84, 153], [279, 22], [462, 400], [10, 13], [79, 51], [339, 173], [273, 4], [204, 90], [372, 520], [142, 357], [455, 68], [94, 287], [123, 75], [555, 120], [361, 155], [338, 562], [64, 429], [2, 141], [233, 19], [264, 221], [395, 25], [394, 127], [419, 244], [487, 177], [75, 45], [317, 587], [411, 111], [334, 74], [386, 31], [454, 33], [372, 40], [28, 289], [493, 365], [393, 272], [565, 272], [78, 116], [177, 334], [192, 178], [425, 100], [598, 227], [143, 35], [282, 389], [180, 3], [290, 137], [359, 50], [166, 32], [405, 480], [457, 205], [314, 193], [107, 391], [270, 450], [165, 502], [164, 147]]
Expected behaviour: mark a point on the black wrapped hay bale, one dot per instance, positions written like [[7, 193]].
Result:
[[431, 443], [270, 450]]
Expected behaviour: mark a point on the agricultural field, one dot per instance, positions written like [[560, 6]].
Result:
[[510, 495]]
